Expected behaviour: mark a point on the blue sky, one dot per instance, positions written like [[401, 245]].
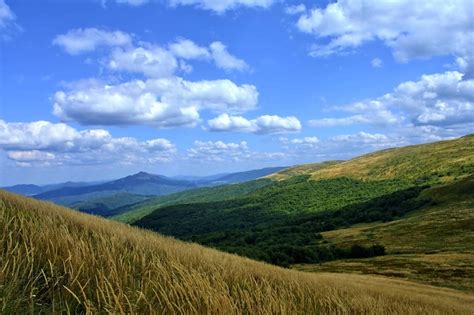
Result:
[[100, 89]]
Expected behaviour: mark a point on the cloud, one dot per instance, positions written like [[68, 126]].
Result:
[[221, 6], [30, 156], [187, 49], [418, 29], [306, 140], [77, 41], [436, 99], [295, 9], [376, 63], [345, 121], [267, 124], [224, 60], [442, 99], [374, 112], [218, 6], [8, 26], [344, 146], [161, 100], [218, 151], [227, 152], [304, 143], [153, 62], [46, 143], [167, 102], [6, 15], [134, 3], [361, 137]]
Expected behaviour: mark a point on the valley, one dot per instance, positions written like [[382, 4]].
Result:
[[399, 219]]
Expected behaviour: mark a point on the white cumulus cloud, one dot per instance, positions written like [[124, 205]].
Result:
[[266, 124], [218, 151], [295, 9], [166, 102], [77, 41], [221, 6], [412, 29], [187, 49], [224, 60], [443, 99], [134, 3], [153, 62], [49, 143]]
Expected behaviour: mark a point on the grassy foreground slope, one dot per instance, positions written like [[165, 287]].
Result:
[[57, 260]]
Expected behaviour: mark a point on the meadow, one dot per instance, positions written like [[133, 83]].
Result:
[[57, 260]]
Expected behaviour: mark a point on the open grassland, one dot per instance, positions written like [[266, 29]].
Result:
[[439, 161], [434, 245], [57, 260], [303, 169], [449, 269]]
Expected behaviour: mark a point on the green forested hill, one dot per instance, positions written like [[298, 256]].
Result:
[[281, 221], [206, 194], [434, 245]]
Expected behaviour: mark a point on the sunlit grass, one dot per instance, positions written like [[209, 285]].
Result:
[[440, 161], [57, 260]]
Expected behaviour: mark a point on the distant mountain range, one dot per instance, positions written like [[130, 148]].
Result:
[[141, 183], [240, 176], [107, 198], [30, 189]]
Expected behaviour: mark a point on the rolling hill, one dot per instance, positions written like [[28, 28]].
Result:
[[283, 222], [392, 169], [55, 260], [432, 162]]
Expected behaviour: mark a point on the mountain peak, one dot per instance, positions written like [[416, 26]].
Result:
[[143, 175]]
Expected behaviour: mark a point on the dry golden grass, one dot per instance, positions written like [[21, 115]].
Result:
[[410, 162], [303, 169], [57, 260]]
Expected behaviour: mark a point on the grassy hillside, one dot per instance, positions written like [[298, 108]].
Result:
[[55, 260], [434, 245], [433, 162], [282, 222]]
